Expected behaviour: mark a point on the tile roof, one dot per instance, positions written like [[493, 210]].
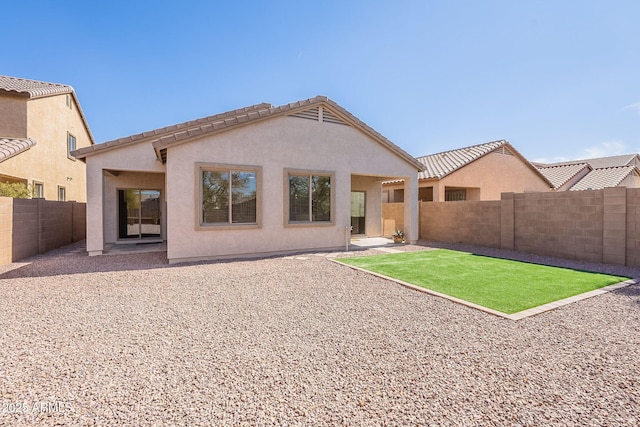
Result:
[[10, 147], [601, 178], [183, 132], [599, 162], [167, 130], [442, 164], [561, 174], [33, 88]]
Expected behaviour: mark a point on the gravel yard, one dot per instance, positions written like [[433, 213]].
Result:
[[130, 340]]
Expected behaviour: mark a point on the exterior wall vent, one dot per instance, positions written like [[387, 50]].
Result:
[[319, 114], [311, 114], [504, 150]]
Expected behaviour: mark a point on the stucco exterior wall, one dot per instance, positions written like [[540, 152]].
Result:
[[48, 122], [125, 168], [274, 145], [631, 181], [493, 174], [485, 179], [13, 116]]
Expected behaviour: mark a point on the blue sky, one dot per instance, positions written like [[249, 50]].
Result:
[[558, 79]]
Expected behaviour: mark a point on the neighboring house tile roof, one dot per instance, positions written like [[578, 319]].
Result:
[[439, 165], [162, 138], [442, 164], [601, 178], [9, 147], [561, 174], [600, 162], [34, 89]]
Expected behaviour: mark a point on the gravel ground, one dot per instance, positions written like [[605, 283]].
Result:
[[130, 340]]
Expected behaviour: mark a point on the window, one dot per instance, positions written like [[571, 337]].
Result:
[[69, 101], [310, 198], [229, 195], [62, 194], [71, 145], [455, 195], [38, 190]]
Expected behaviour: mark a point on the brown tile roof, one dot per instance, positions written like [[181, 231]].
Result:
[[600, 162], [601, 178], [167, 130], [10, 147], [442, 164], [184, 132], [32, 88], [561, 174]]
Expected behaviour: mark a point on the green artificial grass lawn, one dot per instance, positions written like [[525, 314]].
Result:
[[503, 285]]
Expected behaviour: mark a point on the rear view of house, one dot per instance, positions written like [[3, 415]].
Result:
[[257, 180], [40, 124]]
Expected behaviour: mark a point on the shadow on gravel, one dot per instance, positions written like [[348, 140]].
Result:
[[632, 292], [73, 259]]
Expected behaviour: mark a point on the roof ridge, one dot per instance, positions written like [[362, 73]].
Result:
[[500, 141]]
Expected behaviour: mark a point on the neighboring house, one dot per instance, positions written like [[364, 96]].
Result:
[[40, 124], [479, 172], [258, 180], [593, 174]]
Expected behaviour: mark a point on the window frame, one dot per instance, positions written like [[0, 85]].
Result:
[[229, 168], [288, 172], [37, 184], [64, 193], [75, 145]]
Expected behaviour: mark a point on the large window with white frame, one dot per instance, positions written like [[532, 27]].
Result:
[[229, 195], [310, 197]]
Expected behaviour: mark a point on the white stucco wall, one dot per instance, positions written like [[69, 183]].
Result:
[[275, 145]]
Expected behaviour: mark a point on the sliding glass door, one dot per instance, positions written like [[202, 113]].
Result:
[[139, 214], [357, 212]]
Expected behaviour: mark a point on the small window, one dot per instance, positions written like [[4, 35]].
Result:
[[71, 145], [38, 190], [69, 101], [229, 196], [455, 195], [310, 198], [62, 194]]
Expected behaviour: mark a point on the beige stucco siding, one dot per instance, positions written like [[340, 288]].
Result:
[[49, 120], [631, 181], [13, 117], [274, 145], [494, 174], [135, 166]]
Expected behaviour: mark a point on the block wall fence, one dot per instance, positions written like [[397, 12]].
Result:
[[594, 225], [34, 226]]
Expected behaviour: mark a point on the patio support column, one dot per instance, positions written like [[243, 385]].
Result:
[[95, 212], [411, 209]]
